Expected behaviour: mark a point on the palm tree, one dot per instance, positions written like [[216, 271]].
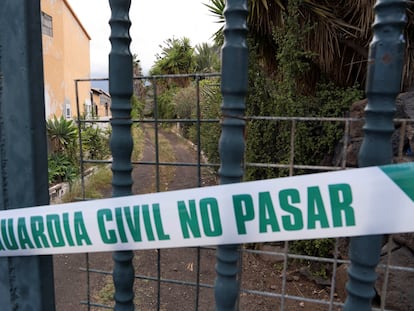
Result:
[[207, 58], [336, 32], [177, 57]]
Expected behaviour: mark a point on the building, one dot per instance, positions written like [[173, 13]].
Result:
[[101, 104], [66, 57]]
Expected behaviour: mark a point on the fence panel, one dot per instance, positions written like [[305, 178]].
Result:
[[264, 276]]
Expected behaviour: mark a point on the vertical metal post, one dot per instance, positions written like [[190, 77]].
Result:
[[80, 141], [199, 184], [232, 144], [26, 283], [121, 88], [156, 137], [198, 126], [385, 65]]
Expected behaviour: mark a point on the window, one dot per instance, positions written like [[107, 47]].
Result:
[[47, 24]]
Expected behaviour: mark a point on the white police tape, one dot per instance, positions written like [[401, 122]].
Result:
[[365, 201]]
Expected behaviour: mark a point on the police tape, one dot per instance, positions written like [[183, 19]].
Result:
[[374, 200]]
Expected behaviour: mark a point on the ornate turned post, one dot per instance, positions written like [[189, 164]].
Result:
[[385, 65], [231, 145], [120, 88]]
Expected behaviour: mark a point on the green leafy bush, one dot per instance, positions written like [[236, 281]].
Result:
[[62, 139], [95, 142], [61, 169], [137, 106], [318, 248], [210, 100], [185, 104], [165, 106], [61, 135], [286, 93]]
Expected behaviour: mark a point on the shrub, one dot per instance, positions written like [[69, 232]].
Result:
[[210, 99], [185, 104], [95, 142], [61, 169], [61, 135]]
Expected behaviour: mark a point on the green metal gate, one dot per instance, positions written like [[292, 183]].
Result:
[[26, 283]]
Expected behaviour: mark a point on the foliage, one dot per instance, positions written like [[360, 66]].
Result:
[[61, 168], [323, 248], [62, 134], [185, 103], [207, 58], [210, 99], [177, 57], [333, 102], [287, 94], [261, 135], [97, 186], [63, 148], [138, 139], [62, 137], [339, 39], [165, 106], [318, 248], [137, 106], [95, 142], [217, 9], [105, 295], [138, 84]]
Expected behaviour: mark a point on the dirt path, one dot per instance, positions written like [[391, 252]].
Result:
[[179, 266], [71, 281]]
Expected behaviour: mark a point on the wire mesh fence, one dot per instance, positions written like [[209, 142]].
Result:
[[170, 155]]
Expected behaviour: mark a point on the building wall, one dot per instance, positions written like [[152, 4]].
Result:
[[101, 103], [66, 57]]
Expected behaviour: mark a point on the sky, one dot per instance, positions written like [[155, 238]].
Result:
[[153, 22]]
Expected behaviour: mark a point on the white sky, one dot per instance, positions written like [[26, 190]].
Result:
[[153, 22]]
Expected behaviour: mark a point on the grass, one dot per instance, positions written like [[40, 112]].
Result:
[[139, 142], [166, 154], [166, 174], [97, 186], [106, 295]]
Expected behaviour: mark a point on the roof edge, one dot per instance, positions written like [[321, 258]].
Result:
[[76, 18]]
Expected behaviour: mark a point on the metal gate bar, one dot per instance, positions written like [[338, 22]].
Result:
[[285, 297], [20, 288], [120, 88], [385, 65], [26, 283], [231, 145]]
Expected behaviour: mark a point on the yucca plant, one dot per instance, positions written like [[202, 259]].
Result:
[[62, 138], [61, 133]]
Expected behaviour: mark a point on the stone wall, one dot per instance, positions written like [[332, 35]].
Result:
[[398, 250], [403, 146]]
